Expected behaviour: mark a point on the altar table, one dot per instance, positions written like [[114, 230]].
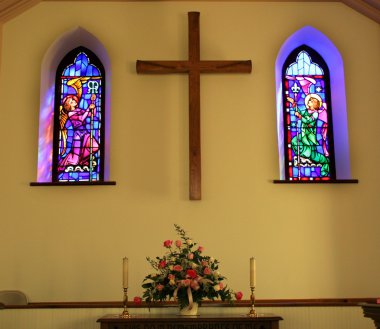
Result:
[[266, 321]]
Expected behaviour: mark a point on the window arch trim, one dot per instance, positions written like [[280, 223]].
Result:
[[313, 38], [66, 42]]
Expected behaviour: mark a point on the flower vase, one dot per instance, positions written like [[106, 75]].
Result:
[[186, 311]]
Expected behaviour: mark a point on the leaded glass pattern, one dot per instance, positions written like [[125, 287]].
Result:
[[309, 152], [79, 118]]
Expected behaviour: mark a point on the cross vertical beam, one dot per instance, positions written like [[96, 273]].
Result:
[[195, 172]]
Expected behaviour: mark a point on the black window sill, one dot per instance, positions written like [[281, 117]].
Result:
[[331, 181], [71, 183]]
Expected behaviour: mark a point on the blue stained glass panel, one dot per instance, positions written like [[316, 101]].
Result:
[[79, 106]]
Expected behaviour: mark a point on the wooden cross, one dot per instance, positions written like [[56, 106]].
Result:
[[194, 67]]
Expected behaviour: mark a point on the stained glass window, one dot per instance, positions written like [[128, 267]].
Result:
[[308, 135], [79, 118]]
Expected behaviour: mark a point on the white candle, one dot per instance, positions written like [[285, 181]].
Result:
[[252, 272], [125, 272]]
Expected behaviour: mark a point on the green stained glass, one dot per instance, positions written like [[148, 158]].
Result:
[[307, 117]]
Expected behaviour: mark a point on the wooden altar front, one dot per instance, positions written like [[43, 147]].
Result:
[[266, 321]]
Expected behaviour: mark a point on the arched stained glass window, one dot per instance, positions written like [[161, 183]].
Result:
[[308, 130], [78, 145]]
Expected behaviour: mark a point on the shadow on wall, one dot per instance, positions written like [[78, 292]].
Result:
[[12, 297]]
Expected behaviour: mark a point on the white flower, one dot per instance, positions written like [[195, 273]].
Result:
[[216, 274], [189, 242]]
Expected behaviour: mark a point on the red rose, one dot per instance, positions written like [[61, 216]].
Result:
[[161, 264], [177, 268], [137, 300], [238, 295], [168, 243], [200, 249], [191, 273]]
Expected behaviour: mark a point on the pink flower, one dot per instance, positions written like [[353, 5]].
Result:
[[171, 276], [137, 300], [200, 249], [221, 285], [159, 287], [204, 263], [238, 295], [190, 256], [194, 285], [207, 271], [191, 273], [162, 264], [177, 268], [168, 243], [178, 243], [186, 282]]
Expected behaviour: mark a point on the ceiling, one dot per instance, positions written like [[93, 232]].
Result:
[[12, 8]]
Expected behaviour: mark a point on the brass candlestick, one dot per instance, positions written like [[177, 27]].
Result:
[[252, 312], [125, 313]]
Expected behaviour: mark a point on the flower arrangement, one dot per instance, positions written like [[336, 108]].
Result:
[[185, 274]]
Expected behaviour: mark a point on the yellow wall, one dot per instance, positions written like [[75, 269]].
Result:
[[55, 246]]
